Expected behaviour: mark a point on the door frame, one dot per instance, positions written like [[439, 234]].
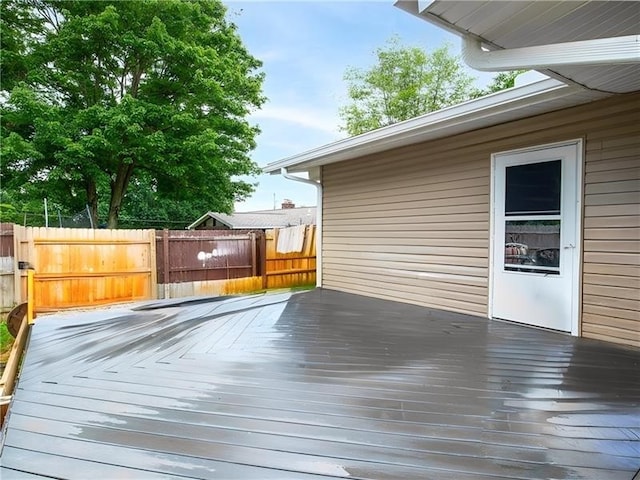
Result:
[[576, 304]]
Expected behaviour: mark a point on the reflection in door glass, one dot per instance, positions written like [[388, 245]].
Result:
[[533, 189], [532, 246]]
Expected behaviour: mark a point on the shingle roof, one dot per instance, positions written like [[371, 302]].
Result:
[[262, 219]]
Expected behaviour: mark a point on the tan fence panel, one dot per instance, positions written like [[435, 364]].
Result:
[[290, 269], [83, 267]]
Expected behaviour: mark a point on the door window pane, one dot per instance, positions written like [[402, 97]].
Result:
[[532, 246], [533, 189]]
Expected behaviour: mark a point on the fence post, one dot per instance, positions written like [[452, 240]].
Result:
[[30, 296], [254, 266], [263, 259], [153, 263], [166, 275], [18, 235]]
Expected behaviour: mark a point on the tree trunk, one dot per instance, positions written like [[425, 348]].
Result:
[[118, 189], [92, 199]]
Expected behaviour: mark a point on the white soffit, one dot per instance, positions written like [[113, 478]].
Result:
[[515, 24], [501, 107]]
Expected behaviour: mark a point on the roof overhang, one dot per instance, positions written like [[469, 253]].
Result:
[[592, 43], [501, 107]]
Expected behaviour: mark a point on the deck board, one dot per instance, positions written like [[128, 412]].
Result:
[[318, 385]]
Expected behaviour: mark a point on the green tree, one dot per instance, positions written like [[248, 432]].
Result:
[[9, 213], [101, 96], [405, 82], [145, 208], [501, 81]]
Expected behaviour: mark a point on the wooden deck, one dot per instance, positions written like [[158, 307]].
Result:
[[317, 385]]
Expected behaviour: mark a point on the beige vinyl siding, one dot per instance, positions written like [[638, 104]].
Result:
[[412, 224], [611, 276], [409, 233]]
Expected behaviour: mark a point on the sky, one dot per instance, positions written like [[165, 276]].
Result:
[[306, 47]]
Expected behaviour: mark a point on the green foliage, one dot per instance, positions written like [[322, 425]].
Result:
[[9, 213], [6, 339], [145, 207], [26, 205], [18, 25], [108, 96], [501, 81], [404, 83]]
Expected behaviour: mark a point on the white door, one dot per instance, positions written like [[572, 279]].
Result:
[[535, 236]]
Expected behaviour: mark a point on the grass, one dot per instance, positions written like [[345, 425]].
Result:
[[6, 340]]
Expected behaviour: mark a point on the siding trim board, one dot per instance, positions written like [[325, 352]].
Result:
[[413, 224]]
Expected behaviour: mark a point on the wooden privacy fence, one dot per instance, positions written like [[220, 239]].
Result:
[[84, 267], [219, 262], [294, 268], [208, 262], [77, 267]]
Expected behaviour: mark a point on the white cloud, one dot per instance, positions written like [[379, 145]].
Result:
[[303, 116], [273, 55]]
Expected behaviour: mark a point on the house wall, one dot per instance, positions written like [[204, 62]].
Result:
[[611, 276], [412, 224], [211, 224]]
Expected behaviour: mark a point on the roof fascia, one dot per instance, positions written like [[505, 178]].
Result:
[[209, 215], [401, 133], [198, 221], [222, 220]]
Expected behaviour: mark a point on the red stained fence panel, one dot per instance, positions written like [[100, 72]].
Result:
[[201, 255]]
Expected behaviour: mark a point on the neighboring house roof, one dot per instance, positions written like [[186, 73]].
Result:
[[262, 219], [502, 25]]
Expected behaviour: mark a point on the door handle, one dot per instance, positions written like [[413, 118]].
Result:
[[567, 247]]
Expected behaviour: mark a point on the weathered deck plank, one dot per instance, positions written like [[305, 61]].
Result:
[[318, 385]]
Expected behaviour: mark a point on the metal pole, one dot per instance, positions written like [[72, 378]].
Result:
[[46, 213], [90, 217]]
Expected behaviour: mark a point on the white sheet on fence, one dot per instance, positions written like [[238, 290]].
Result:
[[291, 239]]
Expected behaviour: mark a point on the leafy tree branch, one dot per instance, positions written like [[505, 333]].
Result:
[[103, 95]]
